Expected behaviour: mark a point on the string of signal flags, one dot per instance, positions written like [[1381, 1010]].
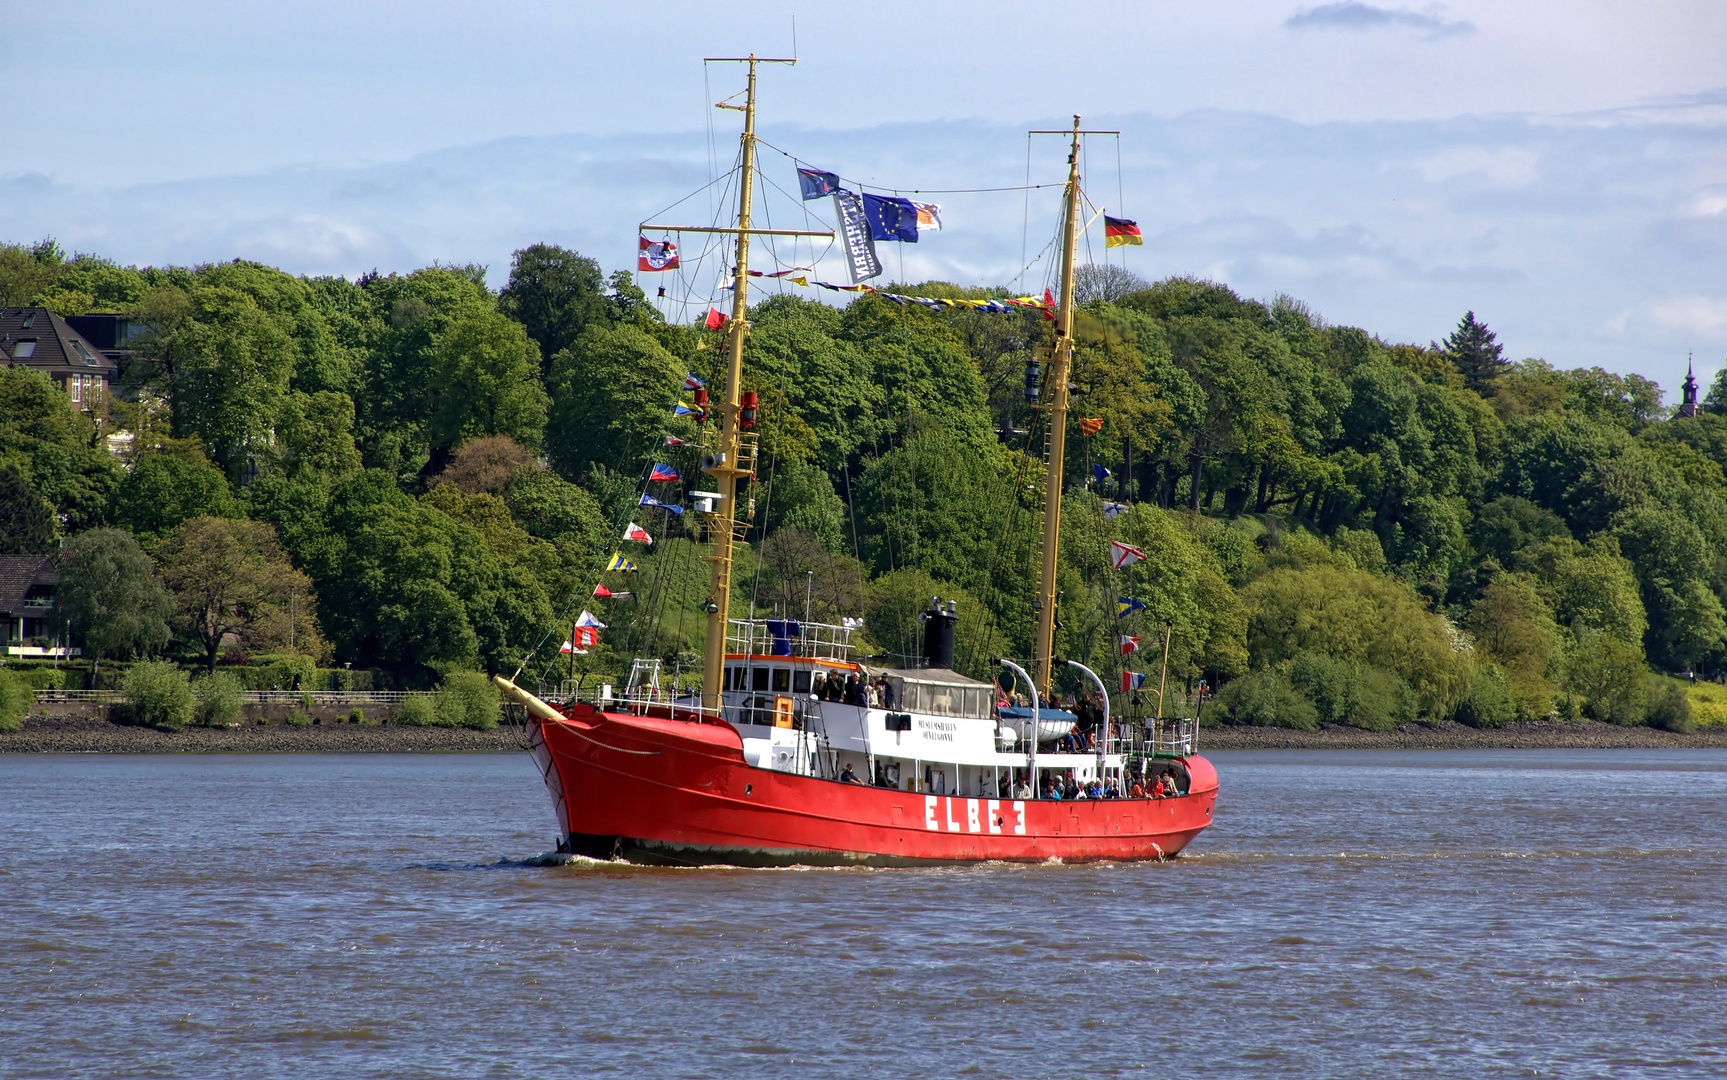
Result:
[[864, 219]]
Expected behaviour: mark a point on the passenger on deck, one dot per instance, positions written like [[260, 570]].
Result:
[[874, 698], [1069, 789], [1094, 790], [1138, 790], [1050, 791], [850, 777], [1022, 790], [1069, 743], [888, 698]]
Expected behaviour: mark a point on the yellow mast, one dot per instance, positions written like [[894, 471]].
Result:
[[723, 466], [1056, 380], [727, 464]]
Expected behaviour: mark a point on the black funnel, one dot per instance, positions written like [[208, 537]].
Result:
[[938, 634]]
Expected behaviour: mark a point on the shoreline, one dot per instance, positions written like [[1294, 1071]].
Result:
[[95, 735], [1448, 735], [86, 734]]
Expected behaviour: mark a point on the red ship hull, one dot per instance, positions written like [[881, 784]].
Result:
[[653, 789]]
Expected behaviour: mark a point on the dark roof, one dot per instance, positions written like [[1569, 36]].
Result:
[[58, 347], [19, 574]]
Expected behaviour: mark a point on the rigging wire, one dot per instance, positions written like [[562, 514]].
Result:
[[1028, 186]]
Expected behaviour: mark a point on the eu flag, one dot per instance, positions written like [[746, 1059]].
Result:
[[815, 184], [890, 218]]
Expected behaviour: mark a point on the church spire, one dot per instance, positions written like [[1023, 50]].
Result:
[[1688, 395]]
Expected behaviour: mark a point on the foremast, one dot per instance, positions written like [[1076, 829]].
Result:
[[1060, 358], [731, 460]]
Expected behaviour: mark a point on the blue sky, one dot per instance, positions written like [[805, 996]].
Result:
[[1560, 168]]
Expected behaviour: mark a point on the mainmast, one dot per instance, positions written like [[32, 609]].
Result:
[[1059, 358]]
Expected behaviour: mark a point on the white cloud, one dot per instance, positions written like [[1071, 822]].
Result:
[[1689, 316], [1430, 22], [1511, 166]]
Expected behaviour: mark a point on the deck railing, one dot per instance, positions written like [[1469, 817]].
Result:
[[821, 641]]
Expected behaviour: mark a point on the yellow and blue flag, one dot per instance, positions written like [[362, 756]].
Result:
[[620, 565], [1127, 605]]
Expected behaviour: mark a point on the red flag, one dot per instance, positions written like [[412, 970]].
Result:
[[715, 319], [602, 592], [586, 637], [1048, 306], [652, 255], [1129, 644], [1090, 425], [637, 533]]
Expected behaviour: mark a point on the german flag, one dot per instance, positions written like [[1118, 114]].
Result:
[[1120, 232]]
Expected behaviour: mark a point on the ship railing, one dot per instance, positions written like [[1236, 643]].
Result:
[[819, 641], [641, 701], [1160, 737]]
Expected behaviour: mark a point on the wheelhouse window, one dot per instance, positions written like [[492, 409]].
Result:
[[759, 679], [801, 681], [782, 680]]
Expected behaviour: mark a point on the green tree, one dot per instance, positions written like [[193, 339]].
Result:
[[1352, 615], [229, 576], [26, 518], [317, 433], [555, 294], [26, 272], [484, 380], [467, 699], [1476, 353], [159, 695], [803, 498], [612, 397], [1512, 624], [1610, 677], [1671, 559], [163, 490], [219, 698], [552, 508], [227, 371], [1261, 698], [1490, 703], [16, 698], [57, 448], [108, 597]]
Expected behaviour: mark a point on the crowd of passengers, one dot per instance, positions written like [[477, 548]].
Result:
[[1166, 783], [874, 693]]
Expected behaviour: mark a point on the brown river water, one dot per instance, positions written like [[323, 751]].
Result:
[[1350, 914]]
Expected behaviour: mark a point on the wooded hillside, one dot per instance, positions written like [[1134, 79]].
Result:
[[415, 474]]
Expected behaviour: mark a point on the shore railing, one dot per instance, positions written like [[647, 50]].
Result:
[[254, 697]]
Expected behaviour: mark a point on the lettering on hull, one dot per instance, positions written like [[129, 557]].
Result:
[[940, 808]]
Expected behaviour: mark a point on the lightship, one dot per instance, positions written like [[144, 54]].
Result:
[[763, 769]]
